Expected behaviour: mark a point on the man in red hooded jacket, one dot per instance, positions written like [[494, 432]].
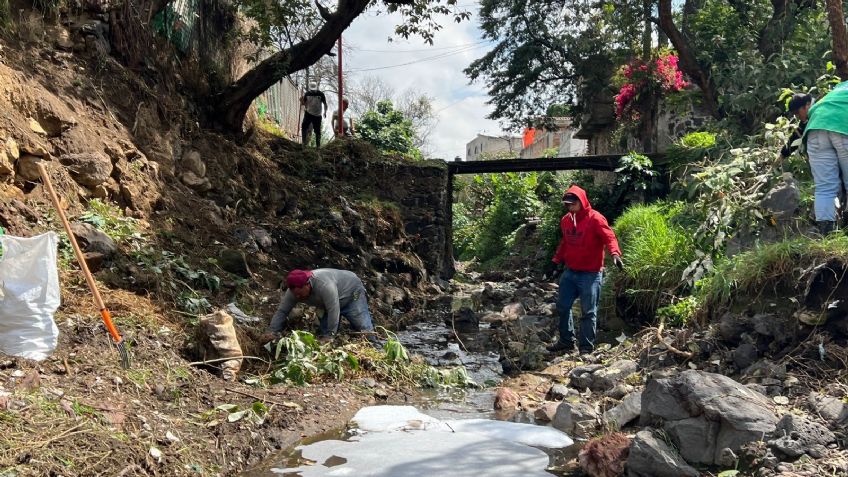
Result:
[[585, 233]]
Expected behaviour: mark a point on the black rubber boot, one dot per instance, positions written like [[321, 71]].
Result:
[[561, 346], [826, 226]]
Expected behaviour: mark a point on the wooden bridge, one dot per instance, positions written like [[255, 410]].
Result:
[[606, 162]]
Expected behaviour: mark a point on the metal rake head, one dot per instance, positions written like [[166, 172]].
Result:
[[124, 353]]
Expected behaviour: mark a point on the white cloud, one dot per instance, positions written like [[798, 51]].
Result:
[[435, 70]]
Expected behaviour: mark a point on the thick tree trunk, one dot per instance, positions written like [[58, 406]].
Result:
[[840, 37], [688, 63], [784, 19], [232, 104]]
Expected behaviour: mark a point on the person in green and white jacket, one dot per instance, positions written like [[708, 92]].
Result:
[[826, 137]]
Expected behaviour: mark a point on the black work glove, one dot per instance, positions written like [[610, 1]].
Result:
[[557, 272], [618, 262]]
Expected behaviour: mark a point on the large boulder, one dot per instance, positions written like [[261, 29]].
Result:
[[782, 201], [704, 413], [88, 169], [652, 457]]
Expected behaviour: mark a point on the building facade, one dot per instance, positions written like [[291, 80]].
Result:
[[485, 147]]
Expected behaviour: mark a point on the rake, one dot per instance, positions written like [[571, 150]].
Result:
[[104, 312]]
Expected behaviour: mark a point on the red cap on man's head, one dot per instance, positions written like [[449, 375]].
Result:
[[298, 278]]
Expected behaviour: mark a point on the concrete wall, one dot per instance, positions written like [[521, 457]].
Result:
[[484, 146]]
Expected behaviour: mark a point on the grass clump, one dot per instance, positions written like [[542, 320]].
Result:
[[657, 252], [770, 267]]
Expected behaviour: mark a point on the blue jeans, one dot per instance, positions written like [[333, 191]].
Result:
[[587, 287], [357, 313], [828, 153]]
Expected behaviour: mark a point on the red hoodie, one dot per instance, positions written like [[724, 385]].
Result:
[[584, 235]]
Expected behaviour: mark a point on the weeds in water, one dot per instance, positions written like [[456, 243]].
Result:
[[301, 359]]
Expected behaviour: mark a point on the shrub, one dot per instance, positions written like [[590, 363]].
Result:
[[656, 252], [692, 147]]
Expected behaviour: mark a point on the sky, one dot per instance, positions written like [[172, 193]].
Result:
[[461, 107]]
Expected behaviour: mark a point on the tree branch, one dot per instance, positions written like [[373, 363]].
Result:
[[688, 63], [234, 101]]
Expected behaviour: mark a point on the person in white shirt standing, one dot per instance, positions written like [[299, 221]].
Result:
[[315, 104]]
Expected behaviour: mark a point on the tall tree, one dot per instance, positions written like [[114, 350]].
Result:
[[836, 17], [305, 34]]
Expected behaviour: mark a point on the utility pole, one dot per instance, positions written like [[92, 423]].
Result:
[[341, 87]]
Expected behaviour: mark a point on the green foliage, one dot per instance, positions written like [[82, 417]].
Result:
[[111, 220], [679, 313], [305, 360], [636, 172], [254, 414], [514, 200], [657, 252], [770, 268], [389, 131], [464, 232], [692, 147]]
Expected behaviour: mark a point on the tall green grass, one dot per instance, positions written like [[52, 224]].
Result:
[[656, 252], [769, 268]]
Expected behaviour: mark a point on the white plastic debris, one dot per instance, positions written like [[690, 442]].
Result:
[[29, 296], [400, 441]]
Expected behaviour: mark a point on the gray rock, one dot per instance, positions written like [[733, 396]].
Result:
[[513, 311], [234, 262], [831, 409], [797, 435], [705, 413], [626, 412], [581, 376], [464, 320], [93, 240], [745, 355], [557, 392], [199, 184], [651, 457], [605, 379], [577, 418], [88, 169], [619, 391], [783, 199], [263, 239]]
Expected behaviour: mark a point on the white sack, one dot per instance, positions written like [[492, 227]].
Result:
[[29, 295]]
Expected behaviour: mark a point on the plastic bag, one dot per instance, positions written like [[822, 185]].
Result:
[[29, 296]]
